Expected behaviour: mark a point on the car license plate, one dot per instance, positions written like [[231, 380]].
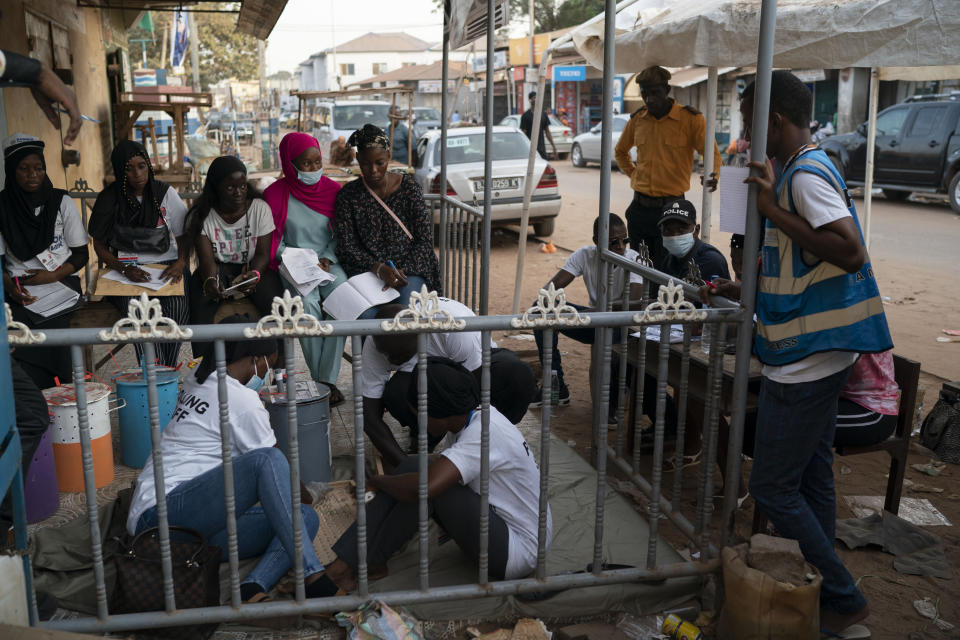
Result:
[[498, 184]]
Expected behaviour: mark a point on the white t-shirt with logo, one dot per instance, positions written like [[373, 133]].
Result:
[[514, 484], [818, 203], [191, 440], [234, 240], [461, 346], [68, 232], [173, 212], [583, 262]]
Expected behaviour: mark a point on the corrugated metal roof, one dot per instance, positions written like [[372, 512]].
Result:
[[416, 72]]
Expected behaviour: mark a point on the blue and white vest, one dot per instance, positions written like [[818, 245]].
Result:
[[806, 305]]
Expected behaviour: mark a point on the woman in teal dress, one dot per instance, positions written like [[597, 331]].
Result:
[[302, 203]]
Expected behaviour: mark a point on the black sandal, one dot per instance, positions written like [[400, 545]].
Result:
[[336, 396]]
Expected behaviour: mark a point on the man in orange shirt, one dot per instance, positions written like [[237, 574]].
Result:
[[665, 135]]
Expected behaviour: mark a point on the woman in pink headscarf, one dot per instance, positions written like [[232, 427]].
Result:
[[302, 204]]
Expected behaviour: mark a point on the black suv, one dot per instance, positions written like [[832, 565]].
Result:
[[917, 149]]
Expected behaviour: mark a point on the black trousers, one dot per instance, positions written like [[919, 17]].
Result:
[[203, 310], [513, 387], [642, 217], [33, 419], [457, 510]]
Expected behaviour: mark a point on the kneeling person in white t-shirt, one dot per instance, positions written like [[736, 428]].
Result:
[[454, 487]]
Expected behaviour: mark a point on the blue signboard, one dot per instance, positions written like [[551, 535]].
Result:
[[575, 73]]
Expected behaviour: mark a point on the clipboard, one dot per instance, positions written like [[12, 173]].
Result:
[[105, 287]]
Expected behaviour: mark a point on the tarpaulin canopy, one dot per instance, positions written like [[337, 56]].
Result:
[[829, 34]]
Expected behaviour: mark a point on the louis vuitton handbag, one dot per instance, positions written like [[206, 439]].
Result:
[[196, 583]]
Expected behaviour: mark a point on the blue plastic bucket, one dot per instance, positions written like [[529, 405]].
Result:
[[134, 417]]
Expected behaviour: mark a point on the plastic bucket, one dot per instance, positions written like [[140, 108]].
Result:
[[313, 430], [134, 415], [62, 403], [40, 486]]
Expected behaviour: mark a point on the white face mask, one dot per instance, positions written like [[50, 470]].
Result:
[[309, 177], [679, 246]]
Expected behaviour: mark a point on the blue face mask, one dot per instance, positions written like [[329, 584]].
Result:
[[256, 382], [309, 177], [679, 246]]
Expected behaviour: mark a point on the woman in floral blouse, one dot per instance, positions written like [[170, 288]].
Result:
[[383, 224]]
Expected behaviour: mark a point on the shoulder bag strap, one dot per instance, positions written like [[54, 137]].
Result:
[[388, 210]]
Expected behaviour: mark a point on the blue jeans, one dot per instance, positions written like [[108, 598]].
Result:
[[792, 477], [413, 284], [261, 475]]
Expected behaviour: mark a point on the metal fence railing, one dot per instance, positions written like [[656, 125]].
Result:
[[458, 227], [550, 314]]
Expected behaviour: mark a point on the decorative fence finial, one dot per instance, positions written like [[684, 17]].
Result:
[[670, 305], [423, 312], [19, 333], [551, 310], [145, 319], [287, 318]]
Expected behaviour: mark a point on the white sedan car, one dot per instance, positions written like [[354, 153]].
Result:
[[586, 146], [562, 134], [465, 174]]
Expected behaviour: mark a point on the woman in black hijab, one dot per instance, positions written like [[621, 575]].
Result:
[[42, 242], [139, 220]]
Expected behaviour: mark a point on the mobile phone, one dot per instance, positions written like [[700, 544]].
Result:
[[239, 285]]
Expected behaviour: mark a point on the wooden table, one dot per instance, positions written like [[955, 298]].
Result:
[[697, 376]]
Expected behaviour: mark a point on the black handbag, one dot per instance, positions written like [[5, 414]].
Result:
[[139, 239], [196, 578]]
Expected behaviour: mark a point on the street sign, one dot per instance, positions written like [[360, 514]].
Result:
[[573, 73]]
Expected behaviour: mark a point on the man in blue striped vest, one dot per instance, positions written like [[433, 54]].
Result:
[[818, 307]]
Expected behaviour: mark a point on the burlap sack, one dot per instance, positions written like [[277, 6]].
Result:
[[758, 607]]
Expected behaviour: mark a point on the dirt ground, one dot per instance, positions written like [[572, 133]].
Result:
[[889, 593]]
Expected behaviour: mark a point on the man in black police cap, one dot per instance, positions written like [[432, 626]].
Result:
[[526, 125], [681, 241]]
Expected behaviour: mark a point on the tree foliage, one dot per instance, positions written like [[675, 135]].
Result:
[[223, 51]]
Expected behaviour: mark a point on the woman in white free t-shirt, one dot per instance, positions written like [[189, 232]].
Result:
[[193, 471], [453, 488], [231, 227], [138, 220], [43, 246]]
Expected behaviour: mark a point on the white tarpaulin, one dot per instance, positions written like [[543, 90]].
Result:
[[829, 34]]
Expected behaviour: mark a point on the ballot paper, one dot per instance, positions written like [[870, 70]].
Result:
[[733, 199], [51, 298], [300, 267], [155, 283], [653, 333], [356, 295]]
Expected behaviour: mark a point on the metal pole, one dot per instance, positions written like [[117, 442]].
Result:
[[708, 146], [528, 182], [751, 246], [487, 164], [871, 151], [444, 128], [194, 56]]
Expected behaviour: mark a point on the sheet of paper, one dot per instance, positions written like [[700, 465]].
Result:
[[51, 298], [733, 199], [653, 333], [303, 268], [356, 295], [154, 283]]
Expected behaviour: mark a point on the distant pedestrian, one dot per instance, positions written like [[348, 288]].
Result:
[[455, 118], [526, 125], [665, 135]]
